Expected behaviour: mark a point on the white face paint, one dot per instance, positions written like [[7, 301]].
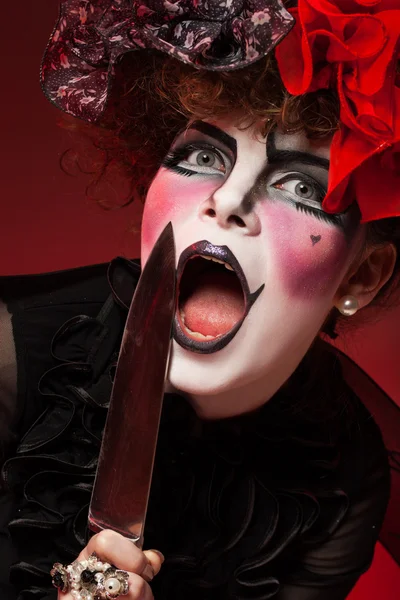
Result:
[[217, 185]]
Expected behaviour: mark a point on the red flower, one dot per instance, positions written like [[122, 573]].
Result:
[[352, 45]]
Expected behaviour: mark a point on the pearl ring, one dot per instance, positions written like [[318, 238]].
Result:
[[90, 579]]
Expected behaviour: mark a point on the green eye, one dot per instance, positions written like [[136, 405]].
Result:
[[304, 190], [197, 160], [306, 195], [206, 159]]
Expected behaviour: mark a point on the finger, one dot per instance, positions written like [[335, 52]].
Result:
[[114, 548], [139, 589], [155, 558]]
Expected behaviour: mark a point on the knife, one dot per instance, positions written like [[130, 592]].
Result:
[[123, 478]]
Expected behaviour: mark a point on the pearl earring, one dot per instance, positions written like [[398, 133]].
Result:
[[348, 305]]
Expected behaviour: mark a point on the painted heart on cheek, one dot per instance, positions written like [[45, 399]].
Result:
[[315, 239], [305, 270]]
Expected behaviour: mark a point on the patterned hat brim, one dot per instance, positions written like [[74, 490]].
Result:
[[91, 36]]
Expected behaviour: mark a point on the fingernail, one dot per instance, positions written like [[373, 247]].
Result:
[[160, 554], [148, 573]]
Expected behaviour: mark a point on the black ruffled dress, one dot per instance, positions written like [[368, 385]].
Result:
[[285, 503]]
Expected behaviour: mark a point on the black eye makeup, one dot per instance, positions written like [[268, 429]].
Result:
[[307, 196], [300, 178], [197, 158], [202, 150]]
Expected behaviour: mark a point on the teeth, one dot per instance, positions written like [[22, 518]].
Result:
[[199, 336], [195, 334], [220, 262]]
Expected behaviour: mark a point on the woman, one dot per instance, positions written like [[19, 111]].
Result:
[[271, 478]]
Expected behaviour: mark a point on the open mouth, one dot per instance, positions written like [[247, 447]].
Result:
[[213, 298]]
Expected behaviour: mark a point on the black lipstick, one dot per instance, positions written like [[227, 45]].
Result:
[[224, 254]]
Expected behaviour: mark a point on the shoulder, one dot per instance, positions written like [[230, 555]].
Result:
[[33, 308], [79, 284], [336, 562], [359, 481], [8, 379]]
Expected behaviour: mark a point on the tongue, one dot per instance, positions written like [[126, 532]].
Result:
[[215, 305]]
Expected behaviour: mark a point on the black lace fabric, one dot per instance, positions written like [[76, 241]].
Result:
[[254, 507]]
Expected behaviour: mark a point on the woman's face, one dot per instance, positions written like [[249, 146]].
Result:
[[258, 261]]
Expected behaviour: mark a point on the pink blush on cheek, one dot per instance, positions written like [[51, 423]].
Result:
[[310, 254], [171, 198]]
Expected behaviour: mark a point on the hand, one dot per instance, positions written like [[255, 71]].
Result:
[[113, 548]]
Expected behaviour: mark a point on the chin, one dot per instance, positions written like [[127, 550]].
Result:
[[197, 374], [232, 381], [215, 385]]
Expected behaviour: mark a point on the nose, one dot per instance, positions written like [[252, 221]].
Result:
[[231, 207]]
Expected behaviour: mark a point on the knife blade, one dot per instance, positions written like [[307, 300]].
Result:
[[123, 478]]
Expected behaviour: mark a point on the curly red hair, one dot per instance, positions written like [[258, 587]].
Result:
[[154, 97]]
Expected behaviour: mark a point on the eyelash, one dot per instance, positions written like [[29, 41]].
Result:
[[306, 208], [176, 155], [322, 216]]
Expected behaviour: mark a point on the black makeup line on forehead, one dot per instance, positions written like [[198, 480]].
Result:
[[275, 155], [216, 133]]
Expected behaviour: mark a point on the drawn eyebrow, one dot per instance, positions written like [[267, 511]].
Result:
[[216, 133], [276, 156]]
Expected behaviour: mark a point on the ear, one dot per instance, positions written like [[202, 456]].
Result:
[[365, 279]]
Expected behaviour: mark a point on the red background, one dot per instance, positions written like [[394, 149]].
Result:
[[48, 224]]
